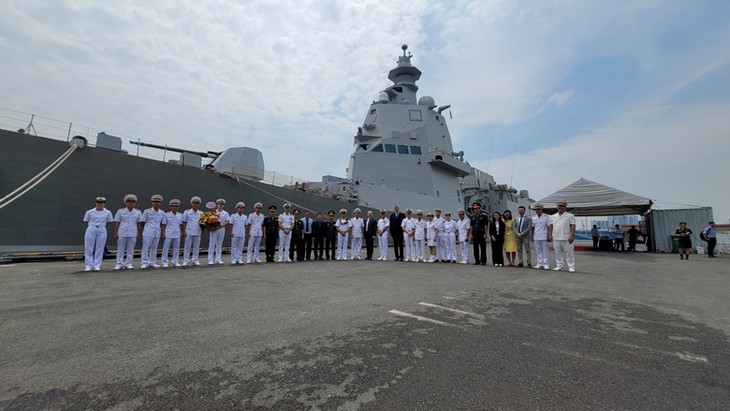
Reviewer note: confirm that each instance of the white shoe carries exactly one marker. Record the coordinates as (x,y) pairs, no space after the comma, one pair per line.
(164,265)
(248,261)
(571,270)
(219,262)
(155,266)
(546,267)
(557,268)
(537,267)
(196,263)
(129,267)
(117,267)
(97,268)
(143,266)
(185,264)
(258,261)
(175,265)
(87,269)
(288,260)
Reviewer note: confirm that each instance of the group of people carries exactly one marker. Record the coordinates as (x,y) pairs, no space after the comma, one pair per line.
(290,235)
(684,240)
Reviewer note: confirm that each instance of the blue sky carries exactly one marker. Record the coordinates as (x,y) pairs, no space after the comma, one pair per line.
(631,94)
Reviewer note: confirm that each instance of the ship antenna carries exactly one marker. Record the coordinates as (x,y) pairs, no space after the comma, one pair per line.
(514,160)
(489,157)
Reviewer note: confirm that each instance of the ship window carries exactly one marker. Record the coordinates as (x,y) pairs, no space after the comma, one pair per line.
(390,148)
(437,194)
(402,149)
(378,148)
(372,111)
(416,150)
(363,147)
(439,158)
(415,115)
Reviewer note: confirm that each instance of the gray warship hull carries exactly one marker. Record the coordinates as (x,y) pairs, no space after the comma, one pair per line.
(48,218)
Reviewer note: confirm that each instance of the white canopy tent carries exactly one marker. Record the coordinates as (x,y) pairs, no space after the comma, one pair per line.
(588,198)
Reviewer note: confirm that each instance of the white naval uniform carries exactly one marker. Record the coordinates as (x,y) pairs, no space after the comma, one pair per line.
(383,226)
(463,225)
(127,232)
(343,234)
(286,223)
(255,222)
(215,240)
(95,236)
(172,237)
(540,237)
(440,243)
(419,238)
(409,228)
(449,236)
(431,234)
(358,226)
(192,236)
(238,236)
(561,233)
(153,221)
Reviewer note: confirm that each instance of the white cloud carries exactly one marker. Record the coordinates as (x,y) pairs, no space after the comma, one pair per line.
(674,154)
(294,78)
(561,97)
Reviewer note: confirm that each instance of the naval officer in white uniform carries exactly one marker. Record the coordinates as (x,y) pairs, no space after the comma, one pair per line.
(173,221)
(191,231)
(286,223)
(153,219)
(96,220)
(215,242)
(254,232)
(126,229)
(383,226)
(238,222)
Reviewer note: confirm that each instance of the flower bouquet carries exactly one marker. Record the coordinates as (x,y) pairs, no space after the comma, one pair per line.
(209,220)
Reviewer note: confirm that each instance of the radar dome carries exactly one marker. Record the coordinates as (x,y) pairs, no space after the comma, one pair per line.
(427,101)
(383,97)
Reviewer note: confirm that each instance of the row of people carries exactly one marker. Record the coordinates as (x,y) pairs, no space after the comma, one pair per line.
(325,239)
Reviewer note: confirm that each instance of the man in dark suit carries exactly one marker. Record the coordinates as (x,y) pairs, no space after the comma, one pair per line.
(370,229)
(319,232)
(396,231)
(307,222)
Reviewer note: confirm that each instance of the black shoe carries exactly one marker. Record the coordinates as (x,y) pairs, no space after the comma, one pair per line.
(484,263)
(477,263)
(520,265)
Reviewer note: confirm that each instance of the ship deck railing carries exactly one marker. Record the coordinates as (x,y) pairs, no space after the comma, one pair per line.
(55,129)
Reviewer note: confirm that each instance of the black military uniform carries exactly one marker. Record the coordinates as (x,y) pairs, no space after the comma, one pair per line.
(479,229)
(271,234)
(330,242)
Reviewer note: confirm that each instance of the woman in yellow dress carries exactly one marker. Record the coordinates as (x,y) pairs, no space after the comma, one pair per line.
(510,241)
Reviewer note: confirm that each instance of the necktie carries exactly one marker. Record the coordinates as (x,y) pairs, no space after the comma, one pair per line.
(520,225)
(306,225)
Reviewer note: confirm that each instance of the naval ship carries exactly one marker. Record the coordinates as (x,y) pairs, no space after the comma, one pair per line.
(402,154)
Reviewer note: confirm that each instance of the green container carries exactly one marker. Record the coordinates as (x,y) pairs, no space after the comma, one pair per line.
(675,244)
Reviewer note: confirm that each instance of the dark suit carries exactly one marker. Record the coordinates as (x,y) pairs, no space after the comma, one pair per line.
(308,226)
(497,237)
(396,231)
(371,226)
(319,232)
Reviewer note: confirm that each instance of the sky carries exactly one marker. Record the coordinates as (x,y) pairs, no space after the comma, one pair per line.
(632,94)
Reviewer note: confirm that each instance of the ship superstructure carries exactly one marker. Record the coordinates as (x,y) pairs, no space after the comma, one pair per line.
(403,153)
